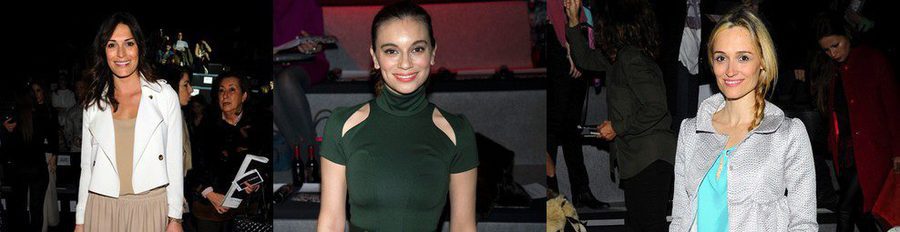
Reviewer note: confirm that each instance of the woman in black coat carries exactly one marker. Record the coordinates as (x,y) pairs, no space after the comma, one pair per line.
(25,145)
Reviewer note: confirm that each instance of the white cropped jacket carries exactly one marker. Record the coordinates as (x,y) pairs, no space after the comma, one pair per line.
(157,149)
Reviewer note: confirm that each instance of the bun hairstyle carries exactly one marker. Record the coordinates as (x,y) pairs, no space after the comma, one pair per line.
(742,17)
(397,11)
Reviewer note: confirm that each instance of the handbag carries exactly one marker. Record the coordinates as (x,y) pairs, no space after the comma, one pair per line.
(254,218)
(562,216)
(887,206)
(248,223)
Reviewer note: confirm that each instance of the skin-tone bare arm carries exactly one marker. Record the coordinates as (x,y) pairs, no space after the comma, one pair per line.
(462,201)
(332,214)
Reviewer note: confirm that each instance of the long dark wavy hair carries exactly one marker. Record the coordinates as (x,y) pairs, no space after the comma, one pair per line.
(101,90)
(397,11)
(824,68)
(26,102)
(627,23)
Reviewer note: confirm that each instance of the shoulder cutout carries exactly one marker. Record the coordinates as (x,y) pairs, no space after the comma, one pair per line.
(358,117)
(441,123)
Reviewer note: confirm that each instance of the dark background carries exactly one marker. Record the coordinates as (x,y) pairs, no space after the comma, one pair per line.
(41,38)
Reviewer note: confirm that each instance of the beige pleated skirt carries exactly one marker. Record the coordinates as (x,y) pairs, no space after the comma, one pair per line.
(135,212)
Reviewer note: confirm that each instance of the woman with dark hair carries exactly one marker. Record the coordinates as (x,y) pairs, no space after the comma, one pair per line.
(225,138)
(856,90)
(30,149)
(643,145)
(179,78)
(131,165)
(398,156)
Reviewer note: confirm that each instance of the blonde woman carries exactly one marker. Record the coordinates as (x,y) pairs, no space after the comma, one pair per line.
(741,165)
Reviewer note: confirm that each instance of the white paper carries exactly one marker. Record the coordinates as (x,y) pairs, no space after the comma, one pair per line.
(231,201)
(253,172)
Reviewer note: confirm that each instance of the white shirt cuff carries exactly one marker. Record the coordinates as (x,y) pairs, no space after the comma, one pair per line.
(206,191)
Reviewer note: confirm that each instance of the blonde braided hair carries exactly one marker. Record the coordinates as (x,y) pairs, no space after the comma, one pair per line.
(742,17)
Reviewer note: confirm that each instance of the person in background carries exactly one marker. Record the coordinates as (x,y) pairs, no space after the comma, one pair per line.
(683,32)
(73,133)
(63,98)
(226,138)
(566,91)
(292,18)
(30,145)
(167,54)
(292,118)
(183,51)
(198,109)
(64,101)
(643,144)
(179,78)
(202,51)
(856,89)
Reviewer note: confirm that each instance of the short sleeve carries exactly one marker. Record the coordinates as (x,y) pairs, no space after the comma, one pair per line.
(466,156)
(331,148)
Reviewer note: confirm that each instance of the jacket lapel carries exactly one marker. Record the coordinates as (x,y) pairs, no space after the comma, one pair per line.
(704,155)
(706,135)
(104,133)
(148,119)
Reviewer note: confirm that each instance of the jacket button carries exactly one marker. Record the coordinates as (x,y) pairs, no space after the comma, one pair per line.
(160,157)
(151,96)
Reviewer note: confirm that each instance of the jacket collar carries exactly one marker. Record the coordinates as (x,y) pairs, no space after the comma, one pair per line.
(155,86)
(149,117)
(772,115)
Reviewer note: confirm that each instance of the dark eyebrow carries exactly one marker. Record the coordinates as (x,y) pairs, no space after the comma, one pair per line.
(389,45)
(394,45)
(126,40)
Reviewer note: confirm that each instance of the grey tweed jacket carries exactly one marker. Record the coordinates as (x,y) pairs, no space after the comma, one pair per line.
(771,177)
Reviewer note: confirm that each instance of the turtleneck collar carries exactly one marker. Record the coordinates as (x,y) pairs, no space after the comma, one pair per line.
(402,105)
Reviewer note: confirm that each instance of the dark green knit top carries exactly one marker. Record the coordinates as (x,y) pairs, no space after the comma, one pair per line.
(398,161)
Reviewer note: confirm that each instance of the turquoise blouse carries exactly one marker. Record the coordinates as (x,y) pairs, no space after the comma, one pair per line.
(712,202)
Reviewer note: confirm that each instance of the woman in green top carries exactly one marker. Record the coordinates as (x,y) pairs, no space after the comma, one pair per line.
(398,156)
